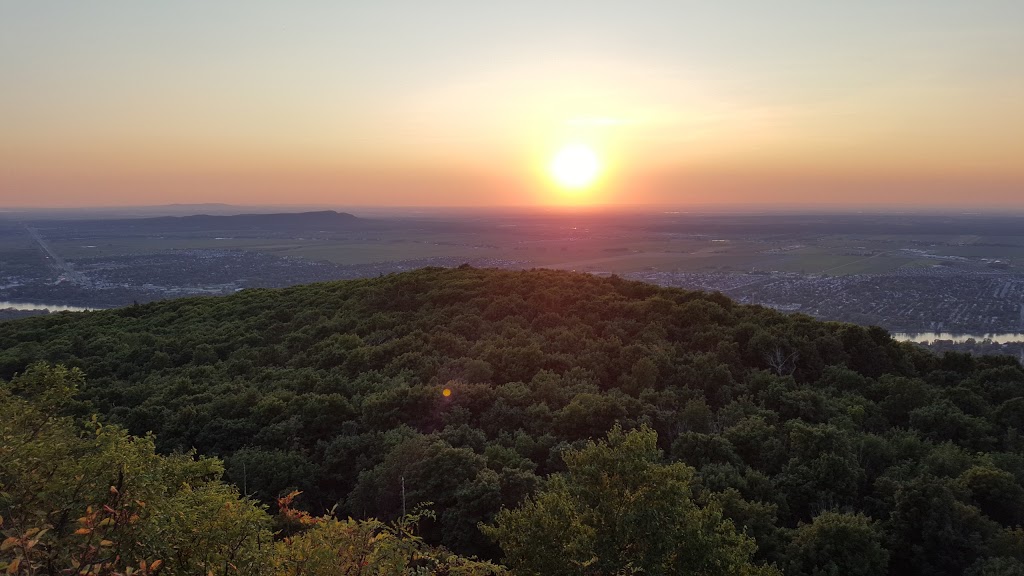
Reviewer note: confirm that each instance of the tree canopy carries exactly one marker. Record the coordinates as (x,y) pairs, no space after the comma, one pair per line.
(811,438)
(618,509)
(87,498)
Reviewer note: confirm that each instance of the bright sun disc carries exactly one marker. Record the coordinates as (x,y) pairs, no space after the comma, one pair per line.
(575,166)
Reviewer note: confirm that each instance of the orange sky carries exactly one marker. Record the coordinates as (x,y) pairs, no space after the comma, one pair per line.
(392,104)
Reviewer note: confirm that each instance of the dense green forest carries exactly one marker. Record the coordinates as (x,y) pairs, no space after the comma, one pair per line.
(833,448)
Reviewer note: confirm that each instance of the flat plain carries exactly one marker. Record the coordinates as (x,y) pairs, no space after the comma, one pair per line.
(906,272)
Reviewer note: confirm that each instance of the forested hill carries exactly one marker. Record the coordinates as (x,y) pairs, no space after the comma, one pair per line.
(321,220)
(838,449)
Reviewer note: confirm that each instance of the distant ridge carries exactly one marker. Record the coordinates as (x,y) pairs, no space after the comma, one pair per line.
(322,216)
(324,219)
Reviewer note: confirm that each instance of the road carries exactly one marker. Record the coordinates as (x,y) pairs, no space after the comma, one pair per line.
(59,265)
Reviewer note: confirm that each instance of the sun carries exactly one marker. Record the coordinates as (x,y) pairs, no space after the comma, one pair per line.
(575,167)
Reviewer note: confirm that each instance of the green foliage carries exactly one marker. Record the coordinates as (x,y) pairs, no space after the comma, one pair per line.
(618,509)
(996,567)
(932,531)
(93,500)
(350,547)
(837,544)
(455,479)
(97,500)
(996,492)
(335,389)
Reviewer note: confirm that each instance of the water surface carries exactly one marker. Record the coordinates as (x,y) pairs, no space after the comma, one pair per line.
(4,305)
(923,337)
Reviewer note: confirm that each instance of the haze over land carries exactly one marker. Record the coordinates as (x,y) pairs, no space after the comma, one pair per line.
(910,273)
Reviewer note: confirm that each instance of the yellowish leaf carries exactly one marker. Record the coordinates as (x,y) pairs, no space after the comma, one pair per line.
(13,567)
(156,565)
(83,531)
(106,543)
(8,544)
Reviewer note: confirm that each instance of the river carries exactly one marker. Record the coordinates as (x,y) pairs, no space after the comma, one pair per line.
(998,338)
(36,306)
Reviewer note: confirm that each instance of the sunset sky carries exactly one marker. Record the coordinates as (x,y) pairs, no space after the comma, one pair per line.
(463,102)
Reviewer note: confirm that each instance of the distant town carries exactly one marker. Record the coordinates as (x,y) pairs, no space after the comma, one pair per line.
(925,281)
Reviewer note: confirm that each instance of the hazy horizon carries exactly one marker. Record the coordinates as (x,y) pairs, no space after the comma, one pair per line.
(803,105)
(385,211)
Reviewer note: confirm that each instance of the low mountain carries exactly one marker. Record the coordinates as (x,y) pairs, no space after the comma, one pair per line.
(324,220)
(320,220)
